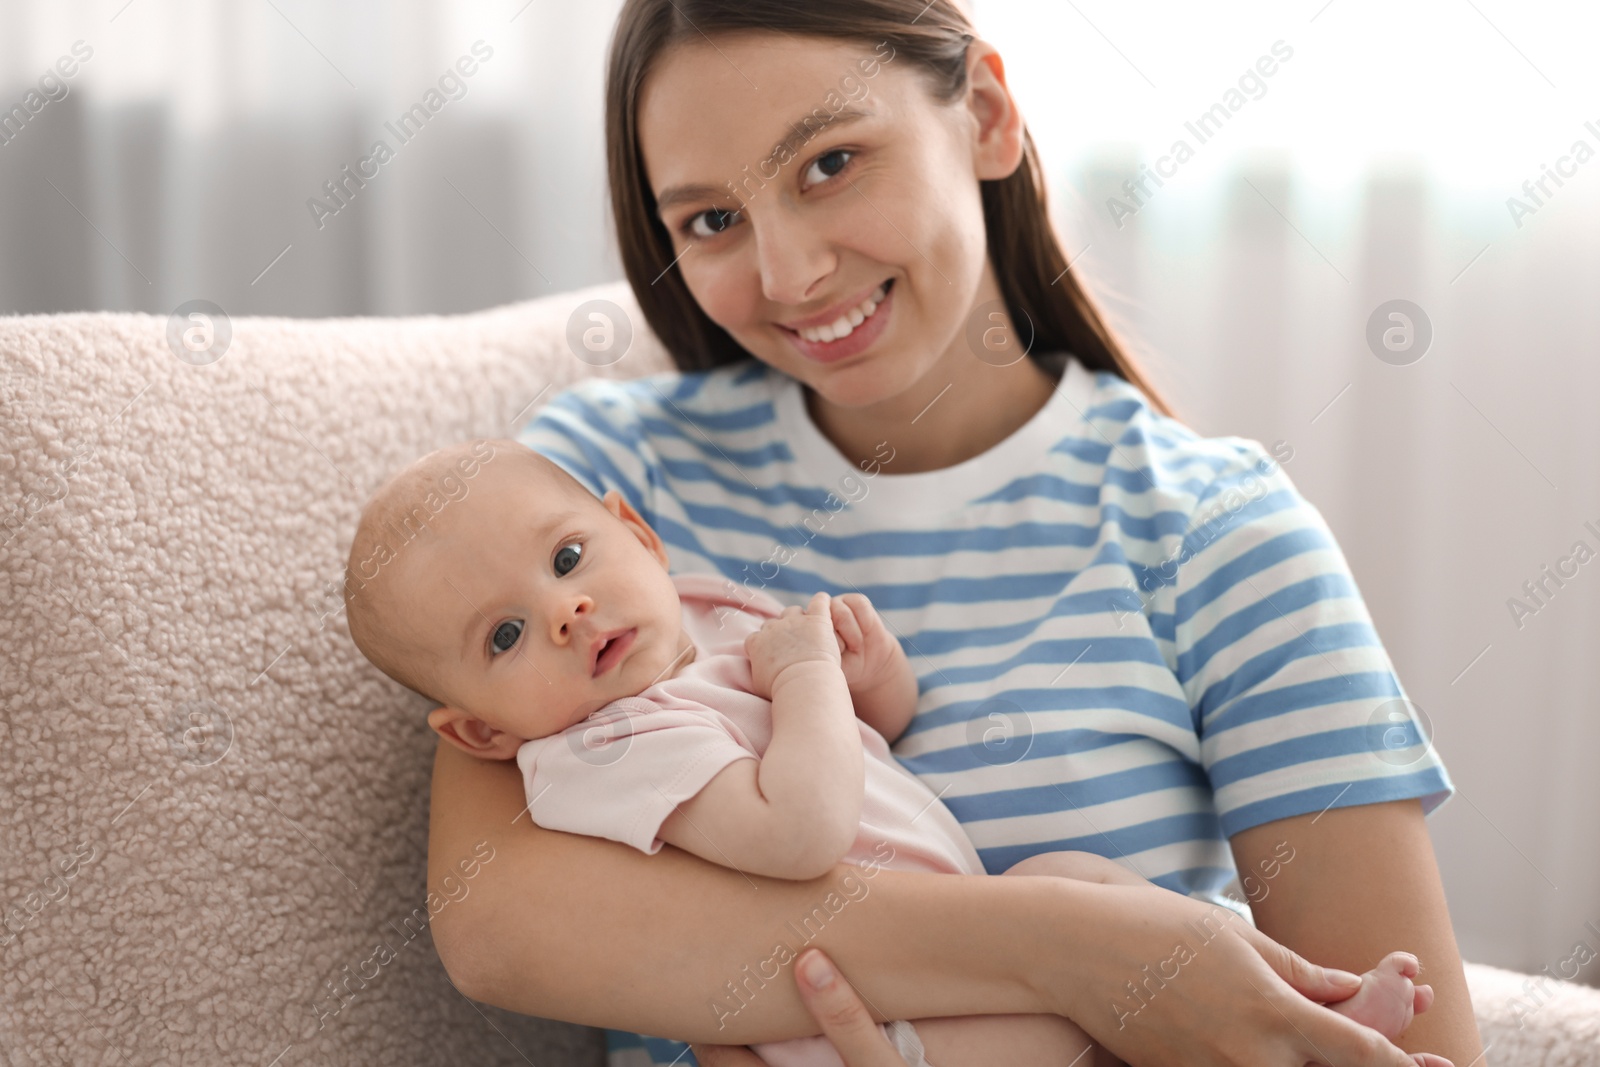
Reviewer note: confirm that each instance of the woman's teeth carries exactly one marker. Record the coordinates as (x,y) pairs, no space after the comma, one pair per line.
(845,324)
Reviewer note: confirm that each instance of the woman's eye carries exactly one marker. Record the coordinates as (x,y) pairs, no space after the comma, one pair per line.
(827,165)
(710,223)
(505,636)
(573,553)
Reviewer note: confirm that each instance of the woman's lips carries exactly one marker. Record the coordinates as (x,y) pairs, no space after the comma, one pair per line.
(612,653)
(859,340)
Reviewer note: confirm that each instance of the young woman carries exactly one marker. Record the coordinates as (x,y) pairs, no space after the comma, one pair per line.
(1130,640)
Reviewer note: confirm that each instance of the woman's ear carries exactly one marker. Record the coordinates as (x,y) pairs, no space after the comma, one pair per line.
(998,147)
(619,507)
(473,736)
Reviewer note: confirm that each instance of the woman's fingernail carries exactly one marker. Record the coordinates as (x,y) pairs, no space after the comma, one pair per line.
(1344,978)
(817,973)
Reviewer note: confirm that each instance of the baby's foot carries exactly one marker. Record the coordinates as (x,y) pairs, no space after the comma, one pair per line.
(1388,999)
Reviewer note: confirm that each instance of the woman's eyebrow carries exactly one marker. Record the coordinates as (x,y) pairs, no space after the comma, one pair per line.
(801,131)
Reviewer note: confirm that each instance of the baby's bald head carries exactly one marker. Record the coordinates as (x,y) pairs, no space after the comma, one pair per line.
(416,506)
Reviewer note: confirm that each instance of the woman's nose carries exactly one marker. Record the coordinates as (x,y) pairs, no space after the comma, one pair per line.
(793,257)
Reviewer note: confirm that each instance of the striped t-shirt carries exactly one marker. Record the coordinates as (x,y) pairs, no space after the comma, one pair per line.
(1128,639)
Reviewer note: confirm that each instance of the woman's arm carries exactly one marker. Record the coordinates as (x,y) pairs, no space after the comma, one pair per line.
(1363,883)
(592,931)
(588,930)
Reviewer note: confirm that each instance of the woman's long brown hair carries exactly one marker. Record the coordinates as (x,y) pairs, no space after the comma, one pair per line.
(1027,258)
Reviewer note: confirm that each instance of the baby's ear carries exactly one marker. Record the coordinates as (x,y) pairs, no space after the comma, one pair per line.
(472,735)
(619,506)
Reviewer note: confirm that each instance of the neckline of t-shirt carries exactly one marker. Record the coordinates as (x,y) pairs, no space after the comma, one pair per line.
(946,489)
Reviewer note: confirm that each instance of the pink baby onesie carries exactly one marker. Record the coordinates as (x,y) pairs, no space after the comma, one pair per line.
(620,772)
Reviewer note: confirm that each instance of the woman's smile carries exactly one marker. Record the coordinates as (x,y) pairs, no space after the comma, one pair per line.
(839,334)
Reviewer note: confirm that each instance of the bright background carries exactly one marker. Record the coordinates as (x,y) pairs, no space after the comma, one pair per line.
(1376,167)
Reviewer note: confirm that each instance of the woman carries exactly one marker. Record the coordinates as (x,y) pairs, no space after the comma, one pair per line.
(1129,640)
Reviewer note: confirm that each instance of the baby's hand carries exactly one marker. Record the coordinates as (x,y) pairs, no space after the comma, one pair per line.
(794,637)
(869,651)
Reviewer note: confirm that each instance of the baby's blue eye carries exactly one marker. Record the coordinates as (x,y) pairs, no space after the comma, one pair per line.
(575,549)
(506,632)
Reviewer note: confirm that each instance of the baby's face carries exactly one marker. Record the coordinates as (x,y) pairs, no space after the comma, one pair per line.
(519,594)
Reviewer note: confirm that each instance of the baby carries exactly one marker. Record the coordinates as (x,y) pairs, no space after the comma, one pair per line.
(647,707)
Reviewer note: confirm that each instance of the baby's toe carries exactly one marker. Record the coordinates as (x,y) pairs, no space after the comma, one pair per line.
(1401,963)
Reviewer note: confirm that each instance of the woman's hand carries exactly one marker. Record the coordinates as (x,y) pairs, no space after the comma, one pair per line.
(836,1008)
(1192,964)
(1161,979)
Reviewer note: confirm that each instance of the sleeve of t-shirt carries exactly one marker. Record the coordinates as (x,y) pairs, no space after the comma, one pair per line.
(620,776)
(595,431)
(1296,703)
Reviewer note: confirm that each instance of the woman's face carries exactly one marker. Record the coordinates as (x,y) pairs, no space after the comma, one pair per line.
(812,183)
